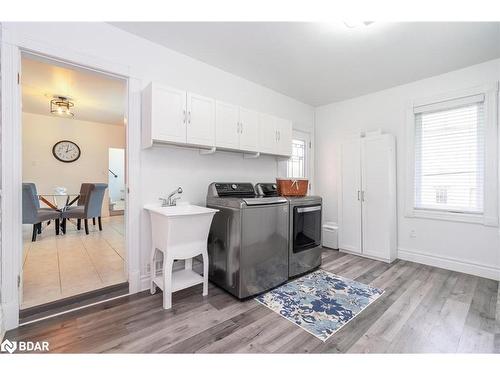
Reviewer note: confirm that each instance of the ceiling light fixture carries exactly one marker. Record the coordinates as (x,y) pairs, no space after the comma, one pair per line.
(61,105)
(352,24)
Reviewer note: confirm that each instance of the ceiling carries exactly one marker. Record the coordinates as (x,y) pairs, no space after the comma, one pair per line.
(97,97)
(320,63)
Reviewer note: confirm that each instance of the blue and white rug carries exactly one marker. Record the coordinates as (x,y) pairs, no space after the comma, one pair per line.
(320,302)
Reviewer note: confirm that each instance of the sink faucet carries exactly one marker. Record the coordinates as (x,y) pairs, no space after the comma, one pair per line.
(170,200)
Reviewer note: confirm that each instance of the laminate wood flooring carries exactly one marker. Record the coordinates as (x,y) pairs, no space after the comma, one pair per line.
(423,310)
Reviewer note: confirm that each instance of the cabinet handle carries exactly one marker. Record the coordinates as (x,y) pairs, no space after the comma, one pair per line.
(359,195)
(362,196)
(184,115)
(241,127)
(189,117)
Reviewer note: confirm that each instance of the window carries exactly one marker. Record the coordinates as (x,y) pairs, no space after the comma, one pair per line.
(452,154)
(296,164)
(449,158)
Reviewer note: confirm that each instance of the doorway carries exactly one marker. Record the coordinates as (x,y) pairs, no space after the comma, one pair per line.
(72,243)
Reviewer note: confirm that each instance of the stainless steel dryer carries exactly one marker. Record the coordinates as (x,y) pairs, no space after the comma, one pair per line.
(304,245)
(248,240)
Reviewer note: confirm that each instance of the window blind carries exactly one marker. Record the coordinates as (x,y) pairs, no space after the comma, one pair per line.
(449,157)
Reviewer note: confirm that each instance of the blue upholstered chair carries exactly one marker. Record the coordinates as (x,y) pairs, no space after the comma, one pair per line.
(33,214)
(91,208)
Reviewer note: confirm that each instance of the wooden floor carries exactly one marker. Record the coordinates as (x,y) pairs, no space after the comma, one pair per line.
(424,309)
(57,267)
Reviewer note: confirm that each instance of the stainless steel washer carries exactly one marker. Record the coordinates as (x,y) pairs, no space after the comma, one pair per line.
(248,240)
(304,245)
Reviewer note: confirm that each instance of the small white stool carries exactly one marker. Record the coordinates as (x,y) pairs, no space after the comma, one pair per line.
(179,237)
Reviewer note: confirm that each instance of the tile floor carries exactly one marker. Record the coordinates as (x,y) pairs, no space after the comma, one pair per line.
(56,267)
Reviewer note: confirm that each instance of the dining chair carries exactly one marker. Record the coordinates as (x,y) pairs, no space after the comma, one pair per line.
(80,204)
(91,208)
(33,214)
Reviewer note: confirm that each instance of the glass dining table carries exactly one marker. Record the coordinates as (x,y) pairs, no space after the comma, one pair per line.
(59,202)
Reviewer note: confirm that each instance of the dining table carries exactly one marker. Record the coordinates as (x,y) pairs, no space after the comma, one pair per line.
(52,200)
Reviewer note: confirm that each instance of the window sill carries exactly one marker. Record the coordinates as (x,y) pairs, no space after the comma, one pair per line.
(451,216)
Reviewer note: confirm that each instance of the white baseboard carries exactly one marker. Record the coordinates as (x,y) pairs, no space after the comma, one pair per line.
(10,315)
(366,256)
(449,263)
(134,282)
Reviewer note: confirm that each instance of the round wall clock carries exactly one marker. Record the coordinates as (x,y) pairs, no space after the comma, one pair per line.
(66,151)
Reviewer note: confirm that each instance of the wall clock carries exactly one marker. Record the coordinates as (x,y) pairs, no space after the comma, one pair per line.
(66,151)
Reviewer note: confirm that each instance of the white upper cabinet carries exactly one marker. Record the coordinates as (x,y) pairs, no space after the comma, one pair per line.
(164,111)
(268,137)
(175,116)
(249,130)
(227,125)
(236,128)
(284,129)
(200,120)
(180,117)
(275,135)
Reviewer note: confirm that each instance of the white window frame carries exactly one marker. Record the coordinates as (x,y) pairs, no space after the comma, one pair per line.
(489,217)
(282,164)
(301,136)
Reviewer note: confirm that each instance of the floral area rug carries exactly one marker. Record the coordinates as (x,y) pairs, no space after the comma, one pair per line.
(320,302)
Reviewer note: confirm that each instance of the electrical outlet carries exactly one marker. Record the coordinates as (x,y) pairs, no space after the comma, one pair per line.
(413,233)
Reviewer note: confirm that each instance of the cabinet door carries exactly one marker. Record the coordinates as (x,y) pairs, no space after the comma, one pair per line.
(350,197)
(249,130)
(200,120)
(168,109)
(227,128)
(284,128)
(268,135)
(378,198)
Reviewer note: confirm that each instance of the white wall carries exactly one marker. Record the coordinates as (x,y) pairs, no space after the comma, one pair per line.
(163,168)
(40,133)
(465,247)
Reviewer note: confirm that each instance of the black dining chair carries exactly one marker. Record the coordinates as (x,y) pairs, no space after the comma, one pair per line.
(91,208)
(33,214)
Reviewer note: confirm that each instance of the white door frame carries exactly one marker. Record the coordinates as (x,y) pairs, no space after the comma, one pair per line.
(12,45)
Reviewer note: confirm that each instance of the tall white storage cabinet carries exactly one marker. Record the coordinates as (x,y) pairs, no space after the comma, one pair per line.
(367,197)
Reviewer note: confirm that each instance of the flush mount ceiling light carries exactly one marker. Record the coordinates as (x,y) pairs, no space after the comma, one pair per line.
(352,24)
(61,106)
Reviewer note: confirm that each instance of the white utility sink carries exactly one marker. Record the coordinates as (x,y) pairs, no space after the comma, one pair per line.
(180,210)
(179,232)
